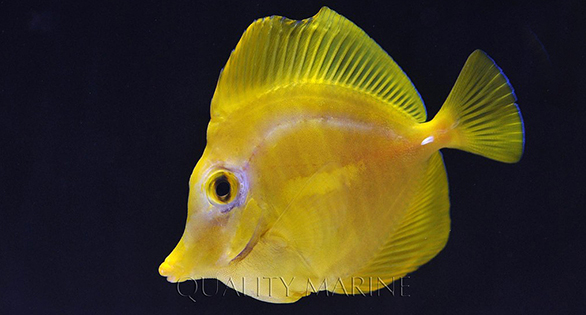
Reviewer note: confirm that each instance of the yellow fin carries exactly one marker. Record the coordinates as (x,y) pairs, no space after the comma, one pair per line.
(482,113)
(327,49)
(422,234)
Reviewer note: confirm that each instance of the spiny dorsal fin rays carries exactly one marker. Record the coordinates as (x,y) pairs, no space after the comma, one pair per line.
(277,52)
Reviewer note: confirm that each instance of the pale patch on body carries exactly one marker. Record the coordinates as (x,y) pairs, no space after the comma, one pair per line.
(329,181)
(328,121)
(280,128)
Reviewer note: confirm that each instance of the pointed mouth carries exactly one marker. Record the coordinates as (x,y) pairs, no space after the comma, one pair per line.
(172,273)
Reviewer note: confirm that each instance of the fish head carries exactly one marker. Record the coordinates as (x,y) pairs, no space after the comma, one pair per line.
(223,224)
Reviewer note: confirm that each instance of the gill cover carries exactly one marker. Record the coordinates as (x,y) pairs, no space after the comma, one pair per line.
(233,205)
(222,224)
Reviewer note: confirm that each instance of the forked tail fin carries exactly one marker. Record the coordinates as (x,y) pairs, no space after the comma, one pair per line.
(480,113)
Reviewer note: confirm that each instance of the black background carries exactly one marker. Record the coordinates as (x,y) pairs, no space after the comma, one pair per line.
(104,107)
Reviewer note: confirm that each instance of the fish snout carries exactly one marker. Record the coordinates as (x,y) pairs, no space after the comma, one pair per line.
(172,272)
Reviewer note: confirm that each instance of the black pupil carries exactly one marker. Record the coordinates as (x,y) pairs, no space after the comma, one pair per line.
(222,188)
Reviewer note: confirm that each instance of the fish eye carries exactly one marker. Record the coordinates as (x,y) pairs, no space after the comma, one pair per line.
(222,187)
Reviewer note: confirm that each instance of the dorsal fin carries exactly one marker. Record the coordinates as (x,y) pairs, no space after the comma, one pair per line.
(276,52)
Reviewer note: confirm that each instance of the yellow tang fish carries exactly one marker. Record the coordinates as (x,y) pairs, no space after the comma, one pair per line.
(321,172)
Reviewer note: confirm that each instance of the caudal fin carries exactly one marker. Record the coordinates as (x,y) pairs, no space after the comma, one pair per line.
(481,113)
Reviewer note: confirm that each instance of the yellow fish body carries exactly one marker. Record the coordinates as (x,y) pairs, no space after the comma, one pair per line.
(321,172)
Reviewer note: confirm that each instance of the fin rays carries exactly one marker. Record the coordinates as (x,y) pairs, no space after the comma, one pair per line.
(482,108)
(326,49)
(423,233)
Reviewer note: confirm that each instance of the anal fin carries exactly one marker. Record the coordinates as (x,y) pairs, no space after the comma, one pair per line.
(420,237)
